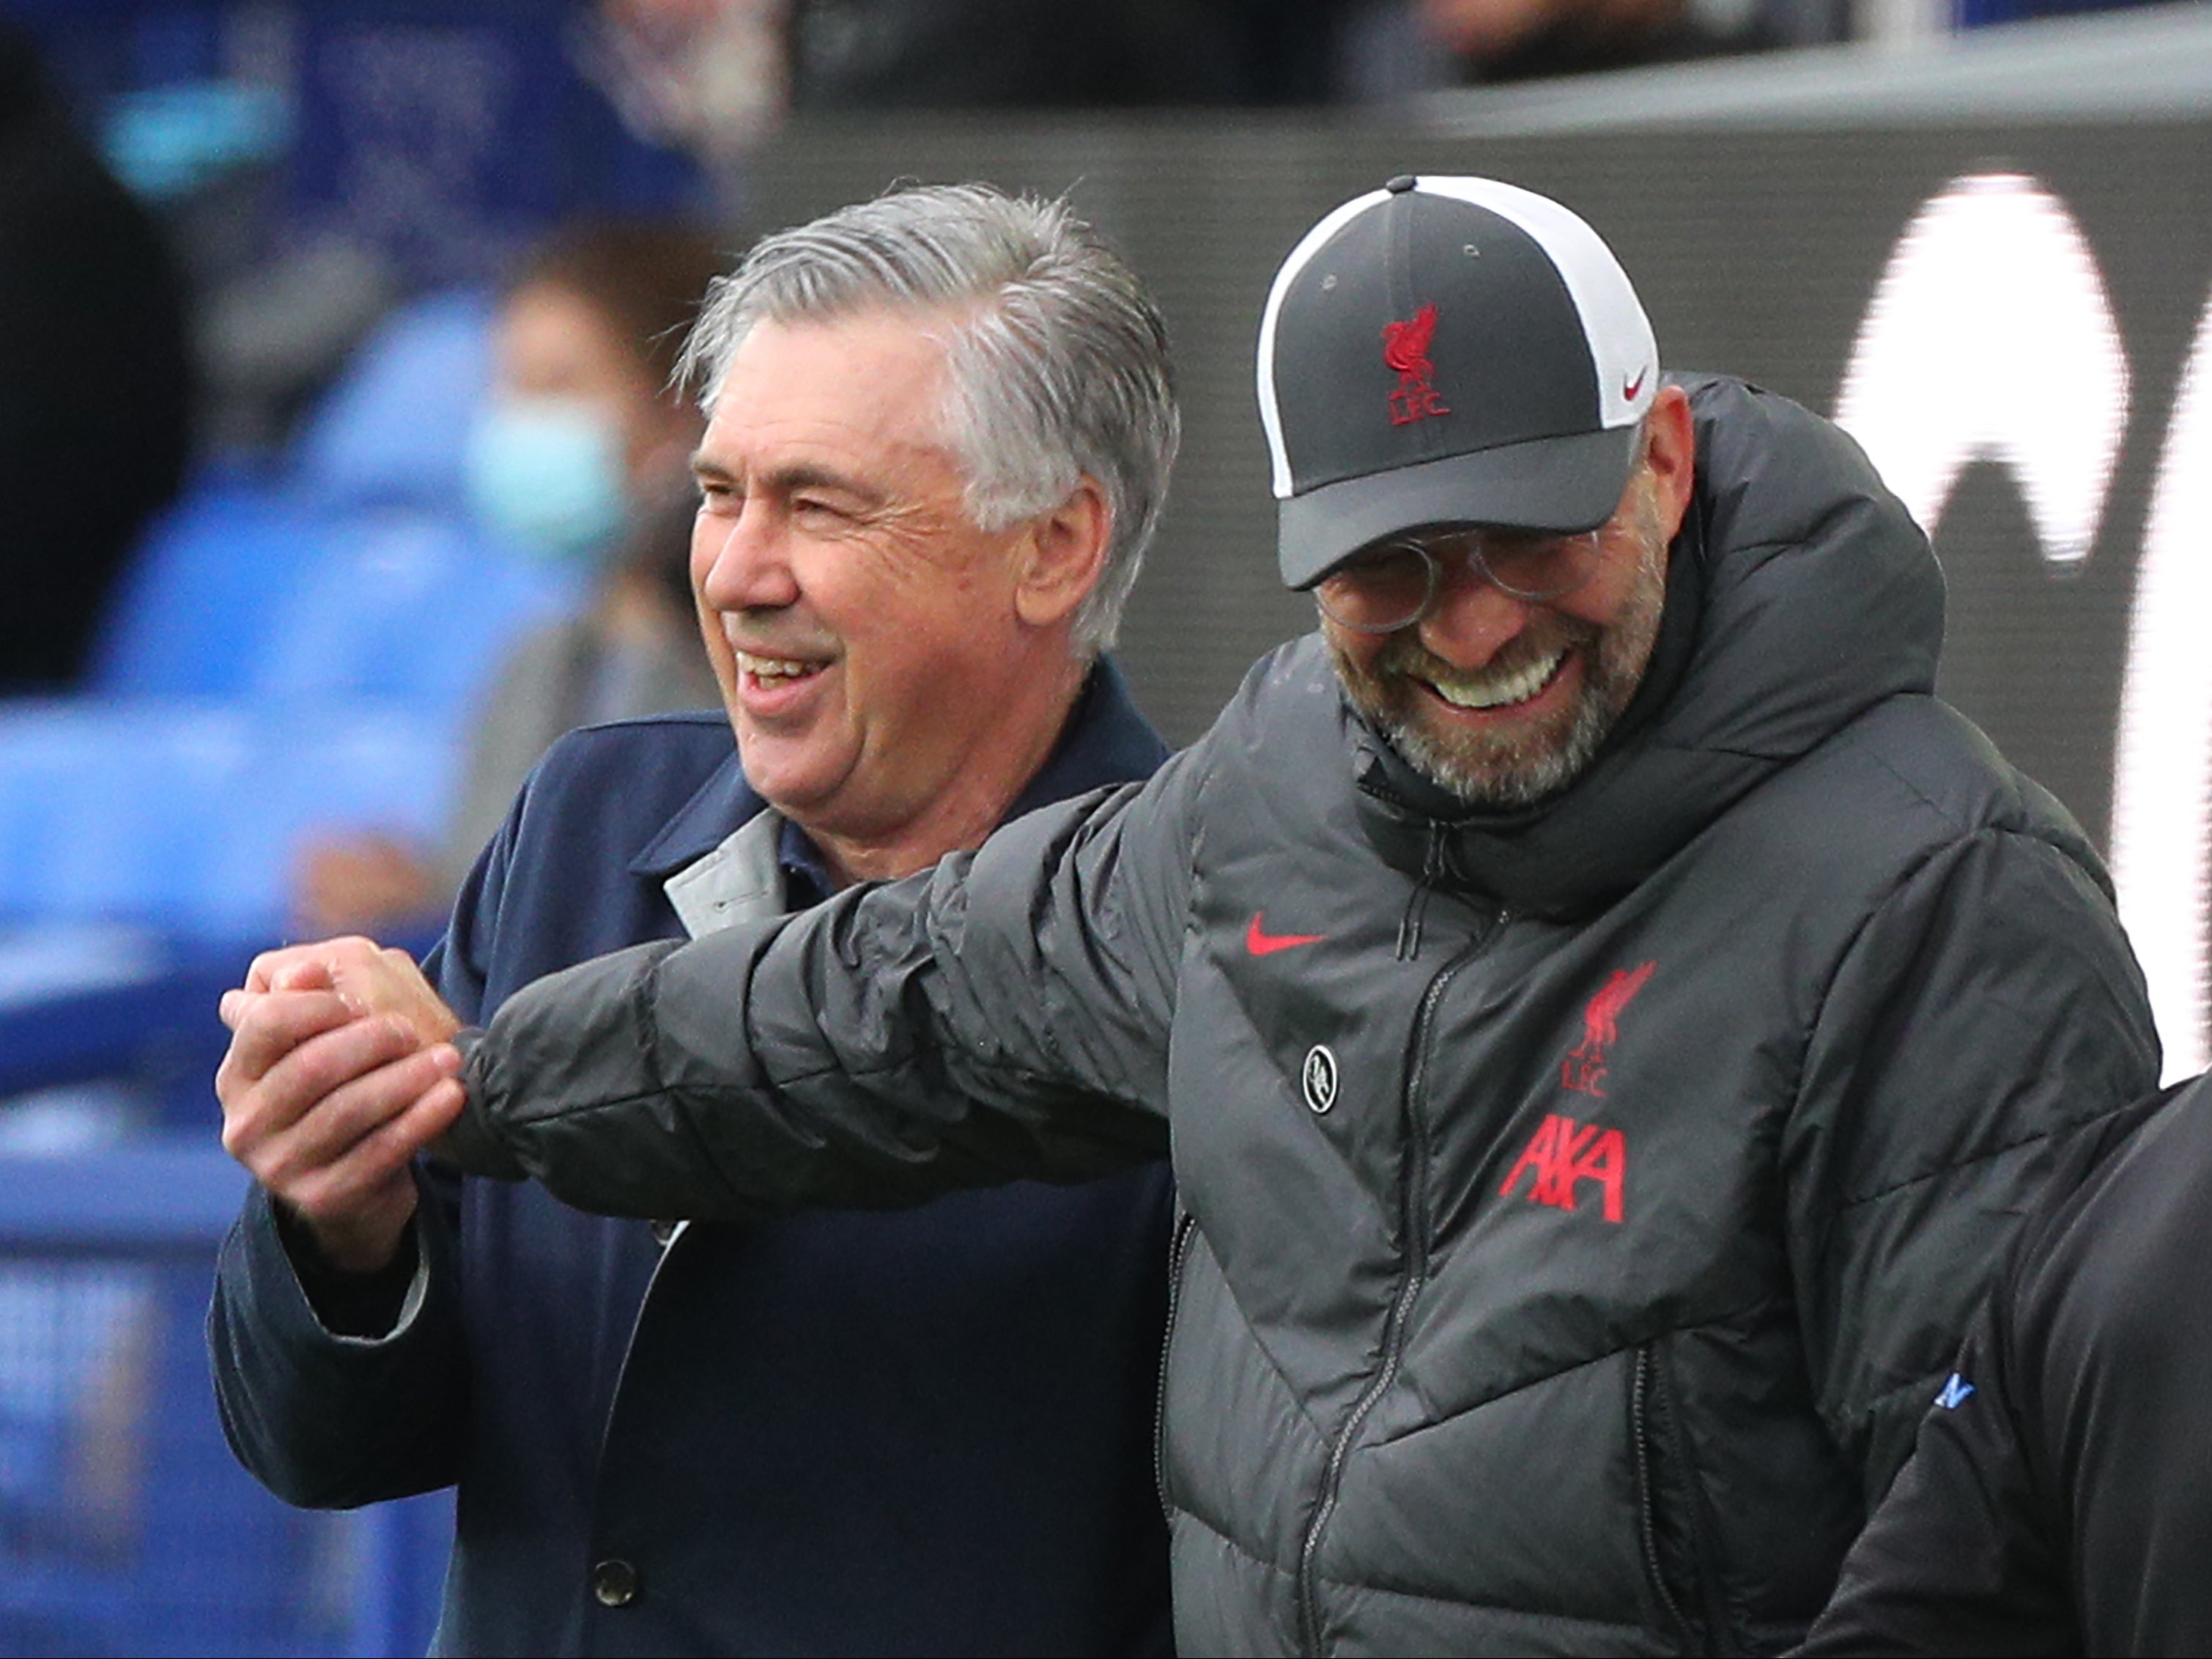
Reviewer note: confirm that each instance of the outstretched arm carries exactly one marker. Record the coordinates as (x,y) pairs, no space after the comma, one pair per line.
(1005,1015)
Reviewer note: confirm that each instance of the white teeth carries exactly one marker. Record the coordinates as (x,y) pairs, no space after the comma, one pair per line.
(1497,691)
(774,668)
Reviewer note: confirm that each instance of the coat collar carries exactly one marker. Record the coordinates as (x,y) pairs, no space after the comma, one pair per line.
(1106,740)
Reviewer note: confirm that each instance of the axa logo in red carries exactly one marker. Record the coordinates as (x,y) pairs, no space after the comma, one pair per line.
(1584,1068)
(1564,1154)
(1405,349)
(1262,943)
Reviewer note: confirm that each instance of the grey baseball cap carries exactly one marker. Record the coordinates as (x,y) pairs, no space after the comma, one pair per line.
(1448,350)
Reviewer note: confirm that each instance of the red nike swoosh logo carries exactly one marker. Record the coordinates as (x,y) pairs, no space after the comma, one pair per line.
(1632,388)
(1261,943)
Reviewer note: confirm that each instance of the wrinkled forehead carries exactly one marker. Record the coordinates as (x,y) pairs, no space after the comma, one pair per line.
(875,356)
(868,389)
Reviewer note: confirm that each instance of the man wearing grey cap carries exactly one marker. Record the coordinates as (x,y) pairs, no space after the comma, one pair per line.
(1604,1010)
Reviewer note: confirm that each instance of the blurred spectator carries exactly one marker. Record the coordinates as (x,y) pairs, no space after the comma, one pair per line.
(1386,49)
(716,77)
(95,378)
(710,76)
(1493,41)
(917,54)
(275,314)
(580,456)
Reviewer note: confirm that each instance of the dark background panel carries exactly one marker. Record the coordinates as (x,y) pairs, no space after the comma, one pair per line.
(1756,253)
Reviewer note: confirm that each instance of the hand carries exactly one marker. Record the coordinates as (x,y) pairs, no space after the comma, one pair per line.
(338,1074)
(369,978)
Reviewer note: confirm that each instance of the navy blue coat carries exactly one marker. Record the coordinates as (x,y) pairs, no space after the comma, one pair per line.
(923,1430)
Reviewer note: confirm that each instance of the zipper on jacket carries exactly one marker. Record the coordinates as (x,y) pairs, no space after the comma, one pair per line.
(1654,1422)
(1641,1409)
(1185,1224)
(1413,1219)
(1432,868)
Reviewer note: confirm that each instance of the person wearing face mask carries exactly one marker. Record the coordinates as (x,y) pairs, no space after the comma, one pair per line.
(578,457)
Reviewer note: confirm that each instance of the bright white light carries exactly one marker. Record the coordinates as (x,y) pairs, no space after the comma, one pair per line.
(1990,337)
(2162,760)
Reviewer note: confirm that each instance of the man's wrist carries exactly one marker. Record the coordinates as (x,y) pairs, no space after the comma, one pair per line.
(348,1302)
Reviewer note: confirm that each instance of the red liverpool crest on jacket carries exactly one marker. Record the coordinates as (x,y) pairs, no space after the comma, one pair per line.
(1583,1069)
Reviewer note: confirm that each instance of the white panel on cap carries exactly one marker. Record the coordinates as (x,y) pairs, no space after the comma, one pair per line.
(1271,419)
(1620,334)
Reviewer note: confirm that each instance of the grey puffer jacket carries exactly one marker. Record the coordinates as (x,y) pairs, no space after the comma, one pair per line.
(1581,1208)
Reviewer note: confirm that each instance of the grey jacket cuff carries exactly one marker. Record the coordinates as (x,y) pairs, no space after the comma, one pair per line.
(473,1143)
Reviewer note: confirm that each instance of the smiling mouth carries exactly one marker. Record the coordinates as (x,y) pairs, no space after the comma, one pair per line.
(1488,691)
(776,671)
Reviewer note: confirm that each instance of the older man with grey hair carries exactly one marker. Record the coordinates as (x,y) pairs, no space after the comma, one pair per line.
(940,429)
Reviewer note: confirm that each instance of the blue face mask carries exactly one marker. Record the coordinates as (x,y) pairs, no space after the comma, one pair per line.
(545,474)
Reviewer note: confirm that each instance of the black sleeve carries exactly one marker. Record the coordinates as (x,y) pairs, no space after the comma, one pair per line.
(1972,1551)
(1963,1557)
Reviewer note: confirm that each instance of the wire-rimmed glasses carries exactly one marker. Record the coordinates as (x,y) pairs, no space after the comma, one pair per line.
(1392,585)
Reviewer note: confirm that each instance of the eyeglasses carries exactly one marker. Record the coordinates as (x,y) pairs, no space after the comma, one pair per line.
(1394,586)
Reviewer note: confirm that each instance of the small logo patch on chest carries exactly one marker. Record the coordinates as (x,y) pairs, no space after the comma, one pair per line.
(1583,1069)
(1262,943)
(1317,1076)
(1564,1153)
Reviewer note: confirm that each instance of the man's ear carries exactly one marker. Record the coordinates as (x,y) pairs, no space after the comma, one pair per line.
(1063,555)
(1670,437)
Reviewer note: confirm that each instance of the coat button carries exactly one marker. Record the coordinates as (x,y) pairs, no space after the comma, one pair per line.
(614,1583)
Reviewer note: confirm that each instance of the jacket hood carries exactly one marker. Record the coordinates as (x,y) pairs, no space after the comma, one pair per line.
(1799,594)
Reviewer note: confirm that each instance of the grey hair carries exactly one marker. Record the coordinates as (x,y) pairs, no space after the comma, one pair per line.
(1057,359)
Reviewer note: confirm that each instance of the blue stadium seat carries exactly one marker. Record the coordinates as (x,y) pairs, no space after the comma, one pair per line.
(186,816)
(373,487)
(399,605)
(292,652)
(125,1525)
(195,604)
(395,426)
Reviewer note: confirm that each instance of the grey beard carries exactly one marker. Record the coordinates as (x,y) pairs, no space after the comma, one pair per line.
(1527,779)
(1524,773)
